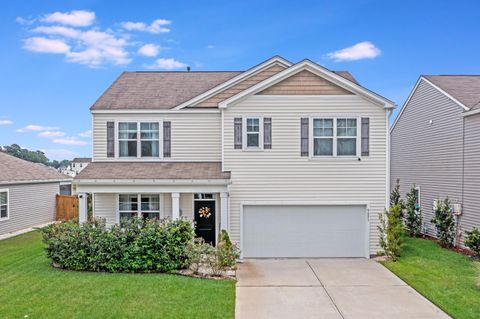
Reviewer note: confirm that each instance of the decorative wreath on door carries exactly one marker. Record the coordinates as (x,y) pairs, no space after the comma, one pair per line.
(204,212)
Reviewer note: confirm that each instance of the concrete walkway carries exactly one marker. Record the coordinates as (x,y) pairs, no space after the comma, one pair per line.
(326,288)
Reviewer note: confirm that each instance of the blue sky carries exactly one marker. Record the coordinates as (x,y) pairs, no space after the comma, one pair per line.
(58,57)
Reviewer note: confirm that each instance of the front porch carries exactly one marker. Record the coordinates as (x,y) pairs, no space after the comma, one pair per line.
(195,191)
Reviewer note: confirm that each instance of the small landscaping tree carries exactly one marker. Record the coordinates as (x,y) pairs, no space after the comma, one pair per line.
(413,213)
(472,241)
(391,231)
(444,222)
(395,195)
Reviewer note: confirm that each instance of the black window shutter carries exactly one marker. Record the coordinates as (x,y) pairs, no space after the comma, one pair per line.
(365,136)
(267,133)
(167,139)
(110,139)
(237,131)
(304,136)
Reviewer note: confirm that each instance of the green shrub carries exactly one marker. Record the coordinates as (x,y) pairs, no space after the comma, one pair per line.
(197,254)
(395,195)
(134,246)
(472,241)
(391,232)
(227,252)
(413,214)
(444,222)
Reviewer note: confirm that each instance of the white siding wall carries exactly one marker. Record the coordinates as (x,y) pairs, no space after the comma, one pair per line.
(105,206)
(281,175)
(428,155)
(195,137)
(471,212)
(29,205)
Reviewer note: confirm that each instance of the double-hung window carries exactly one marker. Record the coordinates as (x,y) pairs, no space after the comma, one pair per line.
(252,132)
(139,205)
(3,204)
(139,139)
(335,137)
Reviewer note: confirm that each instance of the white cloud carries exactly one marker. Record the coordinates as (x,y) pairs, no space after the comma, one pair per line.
(59,154)
(87,133)
(210,46)
(44,45)
(76,18)
(157,26)
(93,48)
(70,140)
(149,49)
(167,64)
(5,122)
(58,30)
(50,134)
(37,128)
(359,51)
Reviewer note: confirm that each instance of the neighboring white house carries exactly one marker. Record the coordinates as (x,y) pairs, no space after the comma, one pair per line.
(291,159)
(27,193)
(79,163)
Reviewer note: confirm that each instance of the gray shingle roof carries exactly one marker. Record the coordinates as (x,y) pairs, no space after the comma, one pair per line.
(82,159)
(14,170)
(153,170)
(164,90)
(464,88)
(158,90)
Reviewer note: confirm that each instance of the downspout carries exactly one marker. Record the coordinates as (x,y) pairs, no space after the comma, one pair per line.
(458,227)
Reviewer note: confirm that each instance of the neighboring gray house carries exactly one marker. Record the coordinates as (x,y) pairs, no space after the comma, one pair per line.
(27,193)
(290,158)
(435,144)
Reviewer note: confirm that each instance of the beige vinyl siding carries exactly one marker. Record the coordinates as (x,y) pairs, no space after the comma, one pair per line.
(186,205)
(428,155)
(304,83)
(471,195)
(29,205)
(194,136)
(243,85)
(282,176)
(105,206)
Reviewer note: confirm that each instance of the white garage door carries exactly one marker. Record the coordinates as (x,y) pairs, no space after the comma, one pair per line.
(304,231)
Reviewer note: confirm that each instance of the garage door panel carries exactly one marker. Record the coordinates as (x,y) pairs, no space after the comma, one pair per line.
(304,231)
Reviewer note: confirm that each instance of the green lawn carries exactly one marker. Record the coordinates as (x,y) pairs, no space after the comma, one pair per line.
(448,279)
(30,287)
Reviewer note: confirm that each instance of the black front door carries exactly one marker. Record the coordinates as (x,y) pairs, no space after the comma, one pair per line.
(205,220)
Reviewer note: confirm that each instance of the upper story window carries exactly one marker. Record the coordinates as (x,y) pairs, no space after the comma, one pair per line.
(252,132)
(3,204)
(335,137)
(139,139)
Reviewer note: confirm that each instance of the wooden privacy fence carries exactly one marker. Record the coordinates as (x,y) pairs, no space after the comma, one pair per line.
(67,207)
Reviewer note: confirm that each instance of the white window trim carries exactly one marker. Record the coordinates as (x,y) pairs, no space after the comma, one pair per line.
(260,133)
(417,188)
(139,141)
(139,211)
(334,156)
(6,190)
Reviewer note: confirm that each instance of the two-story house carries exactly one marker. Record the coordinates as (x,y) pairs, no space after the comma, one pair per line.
(79,163)
(290,159)
(436,147)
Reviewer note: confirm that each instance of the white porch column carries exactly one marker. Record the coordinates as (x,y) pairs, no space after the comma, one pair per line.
(224,211)
(175,206)
(82,207)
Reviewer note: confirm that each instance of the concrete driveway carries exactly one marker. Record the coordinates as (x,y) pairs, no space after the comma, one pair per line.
(326,288)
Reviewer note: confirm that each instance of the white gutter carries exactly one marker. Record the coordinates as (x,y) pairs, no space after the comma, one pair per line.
(166,182)
(35,181)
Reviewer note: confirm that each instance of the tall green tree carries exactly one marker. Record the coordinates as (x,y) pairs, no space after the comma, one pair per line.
(413,213)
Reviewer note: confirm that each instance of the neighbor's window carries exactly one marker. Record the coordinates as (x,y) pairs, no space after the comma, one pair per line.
(127,138)
(3,204)
(417,197)
(334,137)
(139,139)
(253,132)
(129,206)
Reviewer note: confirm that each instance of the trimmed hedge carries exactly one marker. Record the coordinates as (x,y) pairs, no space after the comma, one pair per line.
(136,246)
